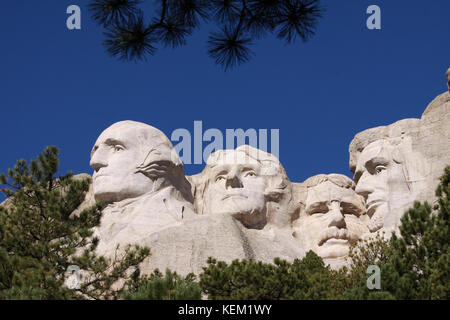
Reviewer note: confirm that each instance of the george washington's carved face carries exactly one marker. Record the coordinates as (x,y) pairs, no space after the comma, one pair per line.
(115,158)
(128,158)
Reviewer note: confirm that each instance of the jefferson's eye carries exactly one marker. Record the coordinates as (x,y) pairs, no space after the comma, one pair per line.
(219,178)
(250,174)
(379,169)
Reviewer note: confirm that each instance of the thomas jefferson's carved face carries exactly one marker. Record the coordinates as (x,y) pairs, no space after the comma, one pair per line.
(381,180)
(236,187)
(115,157)
(331,221)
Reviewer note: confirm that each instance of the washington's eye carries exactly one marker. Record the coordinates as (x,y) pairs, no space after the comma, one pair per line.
(250,174)
(118,148)
(379,169)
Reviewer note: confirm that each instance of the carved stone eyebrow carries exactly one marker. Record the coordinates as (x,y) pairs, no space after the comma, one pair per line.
(376,161)
(370,165)
(350,207)
(113,142)
(220,173)
(317,206)
(249,167)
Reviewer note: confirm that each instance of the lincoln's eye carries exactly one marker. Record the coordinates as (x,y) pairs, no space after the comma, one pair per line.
(220,178)
(379,169)
(250,174)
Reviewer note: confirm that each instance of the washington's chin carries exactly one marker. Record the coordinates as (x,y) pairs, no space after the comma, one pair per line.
(110,196)
(106,197)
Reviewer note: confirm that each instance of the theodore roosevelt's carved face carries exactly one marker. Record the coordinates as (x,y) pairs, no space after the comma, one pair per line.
(331,221)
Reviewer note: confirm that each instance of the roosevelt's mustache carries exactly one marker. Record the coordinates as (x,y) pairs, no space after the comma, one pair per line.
(234,194)
(336,233)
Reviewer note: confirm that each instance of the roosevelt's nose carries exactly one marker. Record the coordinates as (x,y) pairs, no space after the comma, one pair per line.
(364,187)
(233,180)
(97,160)
(337,218)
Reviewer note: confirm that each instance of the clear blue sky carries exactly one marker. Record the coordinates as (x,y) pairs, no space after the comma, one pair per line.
(59,87)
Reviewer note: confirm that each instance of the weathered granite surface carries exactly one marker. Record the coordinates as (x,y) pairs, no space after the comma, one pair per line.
(243,204)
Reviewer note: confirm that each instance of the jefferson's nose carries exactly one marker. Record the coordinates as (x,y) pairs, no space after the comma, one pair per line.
(364,186)
(233,181)
(337,219)
(97,160)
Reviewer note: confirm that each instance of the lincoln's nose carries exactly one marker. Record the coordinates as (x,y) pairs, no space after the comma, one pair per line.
(364,187)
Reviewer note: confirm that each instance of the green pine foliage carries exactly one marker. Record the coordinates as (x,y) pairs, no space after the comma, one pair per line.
(247,279)
(133,36)
(158,287)
(40,238)
(362,254)
(417,264)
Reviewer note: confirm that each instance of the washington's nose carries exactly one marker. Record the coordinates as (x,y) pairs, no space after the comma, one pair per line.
(233,181)
(97,161)
(337,219)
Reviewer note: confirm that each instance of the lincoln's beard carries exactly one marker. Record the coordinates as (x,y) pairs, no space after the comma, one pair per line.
(388,214)
(377,220)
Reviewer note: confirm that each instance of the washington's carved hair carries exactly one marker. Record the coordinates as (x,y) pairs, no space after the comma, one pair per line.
(160,161)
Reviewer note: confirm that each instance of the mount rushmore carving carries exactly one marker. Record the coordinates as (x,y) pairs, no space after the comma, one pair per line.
(243,205)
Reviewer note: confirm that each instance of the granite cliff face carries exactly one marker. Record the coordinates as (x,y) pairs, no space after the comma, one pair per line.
(243,204)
